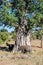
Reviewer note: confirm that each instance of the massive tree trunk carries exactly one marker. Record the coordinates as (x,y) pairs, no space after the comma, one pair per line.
(23,37)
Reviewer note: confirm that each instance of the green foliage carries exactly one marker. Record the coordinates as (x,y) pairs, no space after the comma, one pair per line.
(40,0)
(23,7)
(36,34)
(1,41)
(14,35)
(9,19)
(3,30)
(1,2)
(4,36)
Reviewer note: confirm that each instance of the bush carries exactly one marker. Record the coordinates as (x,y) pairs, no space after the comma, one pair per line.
(14,35)
(4,36)
(1,41)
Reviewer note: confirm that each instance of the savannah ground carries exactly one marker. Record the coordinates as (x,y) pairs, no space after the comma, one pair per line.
(18,58)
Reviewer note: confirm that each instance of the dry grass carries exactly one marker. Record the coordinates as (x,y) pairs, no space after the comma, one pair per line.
(18,58)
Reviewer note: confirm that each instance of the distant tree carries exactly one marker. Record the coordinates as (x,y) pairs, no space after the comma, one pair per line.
(3,30)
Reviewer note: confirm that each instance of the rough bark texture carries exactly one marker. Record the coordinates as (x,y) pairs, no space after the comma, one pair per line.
(23,37)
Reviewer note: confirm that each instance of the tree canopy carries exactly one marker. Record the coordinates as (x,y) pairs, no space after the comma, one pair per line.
(11,12)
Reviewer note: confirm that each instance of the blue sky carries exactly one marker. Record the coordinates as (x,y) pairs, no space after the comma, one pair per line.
(7,28)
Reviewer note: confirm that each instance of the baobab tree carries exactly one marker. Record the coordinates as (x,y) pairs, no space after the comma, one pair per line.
(23,15)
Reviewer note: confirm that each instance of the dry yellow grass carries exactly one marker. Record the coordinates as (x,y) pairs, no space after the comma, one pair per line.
(18,58)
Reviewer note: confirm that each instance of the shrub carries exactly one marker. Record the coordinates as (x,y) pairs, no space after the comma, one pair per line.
(4,35)
(1,41)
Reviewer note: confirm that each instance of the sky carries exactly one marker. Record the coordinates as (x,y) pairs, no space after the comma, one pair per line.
(7,28)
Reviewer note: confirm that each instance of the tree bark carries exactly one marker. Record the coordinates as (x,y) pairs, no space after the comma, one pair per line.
(23,37)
